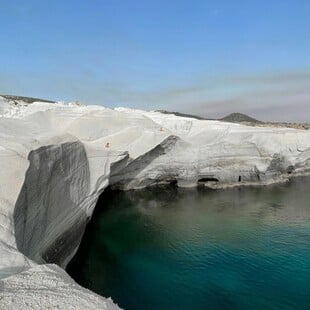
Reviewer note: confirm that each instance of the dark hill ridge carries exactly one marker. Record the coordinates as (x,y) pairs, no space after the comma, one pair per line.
(232,118)
(25,99)
(239,118)
(182,114)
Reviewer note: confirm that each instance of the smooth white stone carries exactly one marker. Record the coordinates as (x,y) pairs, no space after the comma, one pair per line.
(57,158)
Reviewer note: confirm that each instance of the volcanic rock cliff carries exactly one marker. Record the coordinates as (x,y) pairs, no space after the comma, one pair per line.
(58,158)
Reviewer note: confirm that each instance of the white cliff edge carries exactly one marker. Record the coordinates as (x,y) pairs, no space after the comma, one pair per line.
(58,158)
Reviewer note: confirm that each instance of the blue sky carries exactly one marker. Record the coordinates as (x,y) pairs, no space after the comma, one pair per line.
(205,57)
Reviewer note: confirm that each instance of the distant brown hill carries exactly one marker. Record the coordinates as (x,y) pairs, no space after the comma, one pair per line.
(232,118)
(240,118)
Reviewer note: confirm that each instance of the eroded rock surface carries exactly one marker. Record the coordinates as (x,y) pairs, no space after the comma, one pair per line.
(57,158)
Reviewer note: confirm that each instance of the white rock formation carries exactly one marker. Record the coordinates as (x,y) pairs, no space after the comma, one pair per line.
(57,158)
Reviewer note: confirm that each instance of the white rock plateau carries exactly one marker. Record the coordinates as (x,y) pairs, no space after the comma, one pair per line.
(57,158)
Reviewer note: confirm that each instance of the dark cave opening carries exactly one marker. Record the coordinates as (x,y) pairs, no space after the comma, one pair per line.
(208,179)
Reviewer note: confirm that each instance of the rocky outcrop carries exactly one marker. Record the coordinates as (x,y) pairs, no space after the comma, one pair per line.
(48,287)
(57,159)
(50,212)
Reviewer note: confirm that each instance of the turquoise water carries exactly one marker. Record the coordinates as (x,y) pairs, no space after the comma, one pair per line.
(245,248)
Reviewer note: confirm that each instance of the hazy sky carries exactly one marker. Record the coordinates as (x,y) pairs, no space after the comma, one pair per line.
(204,57)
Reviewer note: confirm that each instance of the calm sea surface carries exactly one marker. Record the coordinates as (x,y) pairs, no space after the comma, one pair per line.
(245,248)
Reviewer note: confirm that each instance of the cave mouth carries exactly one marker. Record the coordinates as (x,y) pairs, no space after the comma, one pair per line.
(208,179)
(172,248)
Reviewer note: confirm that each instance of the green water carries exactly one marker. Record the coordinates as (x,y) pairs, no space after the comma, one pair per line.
(245,248)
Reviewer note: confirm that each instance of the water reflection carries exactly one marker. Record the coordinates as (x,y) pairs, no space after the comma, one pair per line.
(202,249)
